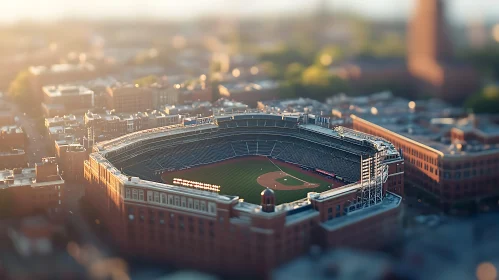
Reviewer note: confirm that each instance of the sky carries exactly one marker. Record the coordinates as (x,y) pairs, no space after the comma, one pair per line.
(49,10)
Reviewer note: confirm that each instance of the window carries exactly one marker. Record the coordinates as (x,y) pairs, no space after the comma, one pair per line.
(170,199)
(184,203)
(127,195)
(338,207)
(203,206)
(134,194)
(330,210)
(150,196)
(177,201)
(212,207)
(156,197)
(190,203)
(141,195)
(163,198)
(196,204)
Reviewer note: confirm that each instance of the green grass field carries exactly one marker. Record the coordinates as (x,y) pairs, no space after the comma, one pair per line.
(239,178)
(289,181)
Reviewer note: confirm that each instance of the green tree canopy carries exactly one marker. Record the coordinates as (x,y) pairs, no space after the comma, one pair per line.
(316,76)
(146,81)
(20,89)
(294,72)
(487,101)
(486,60)
(329,55)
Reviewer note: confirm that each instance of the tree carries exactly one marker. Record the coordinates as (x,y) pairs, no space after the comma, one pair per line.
(284,56)
(390,45)
(486,101)
(316,76)
(294,72)
(146,81)
(20,90)
(329,55)
(485,59)
(272,69)
(319,84)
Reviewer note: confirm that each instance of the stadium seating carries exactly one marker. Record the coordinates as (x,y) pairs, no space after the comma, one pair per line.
(273,137)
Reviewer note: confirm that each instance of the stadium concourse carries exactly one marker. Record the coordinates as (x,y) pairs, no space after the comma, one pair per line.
(151,219)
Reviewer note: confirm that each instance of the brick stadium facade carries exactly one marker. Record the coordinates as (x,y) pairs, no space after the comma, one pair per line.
(454,176)
(221,233)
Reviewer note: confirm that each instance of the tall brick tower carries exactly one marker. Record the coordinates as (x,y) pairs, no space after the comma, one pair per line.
(428,32)
(430,56)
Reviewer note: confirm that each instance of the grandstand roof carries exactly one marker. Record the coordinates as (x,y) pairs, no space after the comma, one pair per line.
(338,132)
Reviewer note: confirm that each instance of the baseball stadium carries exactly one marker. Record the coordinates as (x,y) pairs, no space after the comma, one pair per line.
(215,186)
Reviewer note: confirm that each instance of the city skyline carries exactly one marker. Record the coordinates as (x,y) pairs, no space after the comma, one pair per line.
(460,11)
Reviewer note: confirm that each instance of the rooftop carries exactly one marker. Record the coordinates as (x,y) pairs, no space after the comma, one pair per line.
(63,119)
(435,136)
(241,87)
(11,152)
(17,177)
(9,129)
(61,68)
(390,201)
(66,90)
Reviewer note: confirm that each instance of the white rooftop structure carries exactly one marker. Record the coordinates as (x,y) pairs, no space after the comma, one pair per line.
(66,90)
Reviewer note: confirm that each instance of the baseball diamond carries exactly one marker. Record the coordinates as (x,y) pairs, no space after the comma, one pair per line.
(248,176)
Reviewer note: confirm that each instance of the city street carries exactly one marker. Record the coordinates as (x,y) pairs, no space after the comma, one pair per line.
(37,144)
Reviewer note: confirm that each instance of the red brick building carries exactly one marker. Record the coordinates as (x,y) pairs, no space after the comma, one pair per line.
(70,157)
(66,99)
(33,190)
(14,158)
(250,93)
(59,74)
(129,98)
(461,170)
(12,144)
(12,136)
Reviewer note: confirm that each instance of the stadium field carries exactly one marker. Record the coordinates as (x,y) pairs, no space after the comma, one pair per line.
(247,177)
(289,181)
